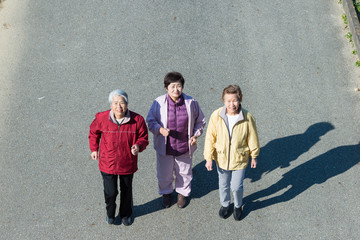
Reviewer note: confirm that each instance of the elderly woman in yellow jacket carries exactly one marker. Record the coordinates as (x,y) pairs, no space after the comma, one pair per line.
(231,138)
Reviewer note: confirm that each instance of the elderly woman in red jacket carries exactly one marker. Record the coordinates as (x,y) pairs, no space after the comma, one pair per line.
(123,135)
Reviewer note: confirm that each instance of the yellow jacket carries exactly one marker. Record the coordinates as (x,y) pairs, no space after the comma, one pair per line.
(244,140)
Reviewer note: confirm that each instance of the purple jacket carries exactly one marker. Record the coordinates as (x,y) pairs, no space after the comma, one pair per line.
(157,117)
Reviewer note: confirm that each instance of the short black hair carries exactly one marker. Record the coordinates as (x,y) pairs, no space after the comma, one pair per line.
(172,77)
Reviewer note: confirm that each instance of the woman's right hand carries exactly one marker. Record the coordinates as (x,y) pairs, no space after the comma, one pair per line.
(208,165)
(164,131)
(94,155)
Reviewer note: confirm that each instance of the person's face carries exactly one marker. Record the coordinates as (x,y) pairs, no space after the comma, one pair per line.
(119,106)
(174,90)
(231,103)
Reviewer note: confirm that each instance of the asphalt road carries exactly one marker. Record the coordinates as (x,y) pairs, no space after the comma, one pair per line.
(60,59)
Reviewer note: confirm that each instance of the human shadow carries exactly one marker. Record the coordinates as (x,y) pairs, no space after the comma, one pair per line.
(277,153)
(147,208)
(315,171)
(203,181)
(282,151)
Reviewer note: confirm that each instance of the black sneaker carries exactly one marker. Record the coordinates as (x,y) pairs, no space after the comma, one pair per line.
(127,221)
(237,213)
(110,220)
(166,200)
(224,212)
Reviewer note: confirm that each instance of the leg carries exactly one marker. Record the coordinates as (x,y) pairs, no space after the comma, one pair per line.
(110,193)
(183,174)
(165,169)
(224,186)
(237,188)
(126,203)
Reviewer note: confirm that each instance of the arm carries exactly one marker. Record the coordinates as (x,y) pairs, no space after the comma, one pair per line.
(253,163)
(208,165)
(200,121)
(193,140)
(94,155)
(152,118)
(253,141)
(142,138)
(94,138)
(210,140)
(135,149)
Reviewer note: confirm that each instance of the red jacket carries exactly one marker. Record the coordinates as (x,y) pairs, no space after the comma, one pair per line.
(116,140)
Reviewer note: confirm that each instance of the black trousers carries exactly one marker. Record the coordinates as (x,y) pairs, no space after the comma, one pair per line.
(111,192)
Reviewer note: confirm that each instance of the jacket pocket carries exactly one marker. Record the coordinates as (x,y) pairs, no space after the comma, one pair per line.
(109,143)
(242,155)
(219,149)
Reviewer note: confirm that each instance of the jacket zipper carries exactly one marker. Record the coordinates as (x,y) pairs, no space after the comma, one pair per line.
(229,154)
(229,147)
(230,137)
(117,149)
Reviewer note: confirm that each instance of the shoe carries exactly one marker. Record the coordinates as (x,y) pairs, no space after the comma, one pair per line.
(224,212)
(181,200)
(167,200)
(127,221)
(237,213)
(110,220)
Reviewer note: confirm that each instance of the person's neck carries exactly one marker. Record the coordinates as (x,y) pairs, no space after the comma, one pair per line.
(175,100)
(233,114)
(120,116)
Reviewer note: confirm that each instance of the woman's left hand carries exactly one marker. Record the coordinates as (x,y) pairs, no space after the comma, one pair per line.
(253,163)
(192,141)
(135,150)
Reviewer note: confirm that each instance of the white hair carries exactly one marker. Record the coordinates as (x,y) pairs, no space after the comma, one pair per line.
(118,92)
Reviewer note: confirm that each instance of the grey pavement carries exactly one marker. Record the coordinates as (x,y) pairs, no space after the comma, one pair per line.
(60,59)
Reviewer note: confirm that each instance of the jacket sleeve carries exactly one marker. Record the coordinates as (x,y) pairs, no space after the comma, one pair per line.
(142,138)
(200,120)
(210,139)
(94,135)
(151,119)
(253,140)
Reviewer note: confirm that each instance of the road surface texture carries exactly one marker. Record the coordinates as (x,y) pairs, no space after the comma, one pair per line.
(60,59)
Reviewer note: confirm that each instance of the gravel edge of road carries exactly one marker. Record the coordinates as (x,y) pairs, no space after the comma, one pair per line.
(353,22)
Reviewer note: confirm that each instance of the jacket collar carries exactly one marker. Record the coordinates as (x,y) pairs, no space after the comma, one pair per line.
(180,101)
(223,115)
(165,97)
(126,118)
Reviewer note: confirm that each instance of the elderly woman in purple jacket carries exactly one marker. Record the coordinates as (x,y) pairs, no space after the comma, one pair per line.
(176,121)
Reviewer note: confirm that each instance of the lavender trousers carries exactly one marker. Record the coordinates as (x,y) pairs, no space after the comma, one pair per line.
(180,166)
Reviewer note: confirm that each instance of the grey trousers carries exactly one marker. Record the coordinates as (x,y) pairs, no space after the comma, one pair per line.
(233,180)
